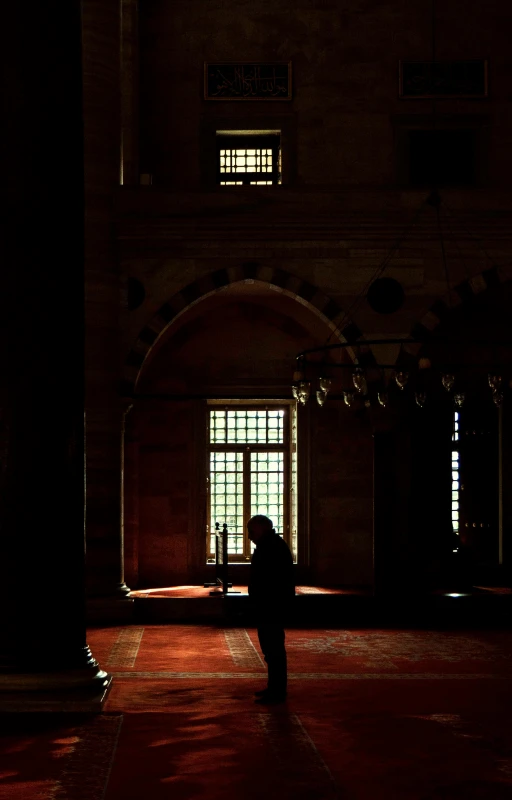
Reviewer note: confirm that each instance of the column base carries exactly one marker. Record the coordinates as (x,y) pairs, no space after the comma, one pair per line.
(107,604)
(112,608)
(79,690)
(98,590)
(78,700)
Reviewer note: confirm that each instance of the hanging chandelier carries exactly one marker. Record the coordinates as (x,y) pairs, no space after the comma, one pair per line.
(379,383)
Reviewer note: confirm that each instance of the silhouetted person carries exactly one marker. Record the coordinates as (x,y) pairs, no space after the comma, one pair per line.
(271,591)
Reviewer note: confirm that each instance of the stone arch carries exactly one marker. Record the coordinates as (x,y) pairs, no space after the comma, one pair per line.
(303,291)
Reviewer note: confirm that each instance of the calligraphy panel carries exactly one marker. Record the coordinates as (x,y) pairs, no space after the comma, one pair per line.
(248,81)
(437,79)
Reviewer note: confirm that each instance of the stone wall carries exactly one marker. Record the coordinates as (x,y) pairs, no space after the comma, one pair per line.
(341,497)
(343,124)
(341,218)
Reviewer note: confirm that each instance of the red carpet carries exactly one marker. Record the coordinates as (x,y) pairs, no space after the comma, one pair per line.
(206,649)
(398,715)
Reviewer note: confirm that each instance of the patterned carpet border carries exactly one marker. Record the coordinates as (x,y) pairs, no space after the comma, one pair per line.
(126,647)
(87,769)
(295,752)
(314,676)
(242,650)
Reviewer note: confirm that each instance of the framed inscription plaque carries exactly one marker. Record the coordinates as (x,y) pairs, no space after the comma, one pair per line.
(438,79)
(248,81)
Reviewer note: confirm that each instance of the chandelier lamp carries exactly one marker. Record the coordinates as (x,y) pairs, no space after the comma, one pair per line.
(365,380)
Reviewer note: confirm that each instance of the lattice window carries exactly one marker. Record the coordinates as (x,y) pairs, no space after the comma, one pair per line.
(226,497)
(267,487)
(247,426)
(251,471)
(248,160)
(455,474)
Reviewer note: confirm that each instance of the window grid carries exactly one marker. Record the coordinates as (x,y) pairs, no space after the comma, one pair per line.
(247,426)
(293,479)
(227,498)
(455,475)
(251,183)
(267,487)
(246,160)
(249,461)
(253,160)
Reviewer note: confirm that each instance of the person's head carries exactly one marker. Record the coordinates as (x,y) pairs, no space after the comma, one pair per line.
(259,527)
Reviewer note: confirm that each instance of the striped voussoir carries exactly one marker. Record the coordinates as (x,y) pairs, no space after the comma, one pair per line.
(301,290)
(462,294)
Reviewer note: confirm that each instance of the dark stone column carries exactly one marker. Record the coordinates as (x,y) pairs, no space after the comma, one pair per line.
(480,486)
(131,501)
(431,535)
(105,584)
(130,91)
(393,572)
(413,537)
(505,487)
(42,549)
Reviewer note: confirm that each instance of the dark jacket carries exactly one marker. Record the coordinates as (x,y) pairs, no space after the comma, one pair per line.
(272,579)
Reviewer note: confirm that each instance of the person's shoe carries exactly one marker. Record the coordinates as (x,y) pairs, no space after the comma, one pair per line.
(261,692)
(269,699)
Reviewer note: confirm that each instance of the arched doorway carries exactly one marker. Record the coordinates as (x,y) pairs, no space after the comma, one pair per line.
(239,345)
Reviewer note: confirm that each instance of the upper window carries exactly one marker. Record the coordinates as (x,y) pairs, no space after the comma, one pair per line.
(442,157)
(248,159)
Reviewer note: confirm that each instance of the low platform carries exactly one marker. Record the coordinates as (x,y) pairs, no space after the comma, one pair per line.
(200,591)
(334,606)
(196,603)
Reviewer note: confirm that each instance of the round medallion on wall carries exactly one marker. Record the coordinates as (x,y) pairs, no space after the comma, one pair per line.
(385,296)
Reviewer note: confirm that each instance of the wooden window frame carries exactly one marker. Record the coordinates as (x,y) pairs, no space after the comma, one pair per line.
(247,450)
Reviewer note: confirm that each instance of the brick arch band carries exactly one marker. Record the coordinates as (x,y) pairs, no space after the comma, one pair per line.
(463,294)
(303,291)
